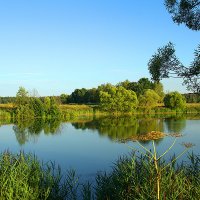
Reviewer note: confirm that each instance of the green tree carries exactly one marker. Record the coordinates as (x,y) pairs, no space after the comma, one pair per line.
(64,98)
(165,64)
(23,110)
(149,99)
(91,96)
(51,108)
(125,84)
(78,96)
(174,100)
(145,83)
(37,106)
(191,74)
(105,87)
(47,104)
(138,87)
(22,96)
(158,88)
(118,99)
(192,98)
(54,111)
(185,11)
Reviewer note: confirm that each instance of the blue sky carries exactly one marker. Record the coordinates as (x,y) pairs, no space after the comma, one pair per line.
(56,46)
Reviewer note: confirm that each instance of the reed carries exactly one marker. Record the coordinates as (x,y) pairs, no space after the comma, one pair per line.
(23,177)
(149,176)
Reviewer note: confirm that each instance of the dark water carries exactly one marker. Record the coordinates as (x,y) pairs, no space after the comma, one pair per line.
(91,145)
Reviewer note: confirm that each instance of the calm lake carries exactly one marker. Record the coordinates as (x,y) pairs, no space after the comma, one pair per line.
(91,145)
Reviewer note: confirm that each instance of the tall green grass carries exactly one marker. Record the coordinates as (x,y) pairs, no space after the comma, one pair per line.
(70,112)
(23,177)
(135,178)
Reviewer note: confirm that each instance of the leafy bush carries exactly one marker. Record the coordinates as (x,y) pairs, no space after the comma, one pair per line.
(30,107)
(175,100)
(118,99)
(149,99)
(5,115)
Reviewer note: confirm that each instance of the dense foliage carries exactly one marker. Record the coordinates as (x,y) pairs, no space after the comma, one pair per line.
(185,11)
(106,98)
(118,99)
(31,107)
(164,63)
(5,100)
(149,99)
(192,98)
(175,100)
(92,96)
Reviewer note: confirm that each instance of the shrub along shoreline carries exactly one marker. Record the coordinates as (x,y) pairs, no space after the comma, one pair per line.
(23,177)
(68,112)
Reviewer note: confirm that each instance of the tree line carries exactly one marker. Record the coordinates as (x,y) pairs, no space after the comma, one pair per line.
(92,96)
(125,96)
(33,107)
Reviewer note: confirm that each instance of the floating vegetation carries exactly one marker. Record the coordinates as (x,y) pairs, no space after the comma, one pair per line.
(176,135)
(153,135)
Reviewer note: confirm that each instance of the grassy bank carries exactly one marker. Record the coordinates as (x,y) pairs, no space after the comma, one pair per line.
(73,111)
(70,112)
(193,108)
(6,112)
(93,110)
(24,177)
(5,115)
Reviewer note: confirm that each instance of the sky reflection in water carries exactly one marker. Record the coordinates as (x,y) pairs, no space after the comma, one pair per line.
(93,145)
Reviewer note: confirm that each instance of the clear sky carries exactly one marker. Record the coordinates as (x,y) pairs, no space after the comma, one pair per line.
(56,46)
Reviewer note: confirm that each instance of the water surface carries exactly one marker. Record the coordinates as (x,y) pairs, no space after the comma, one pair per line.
(91,145)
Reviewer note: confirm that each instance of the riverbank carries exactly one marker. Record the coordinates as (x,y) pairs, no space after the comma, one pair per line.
(71,111)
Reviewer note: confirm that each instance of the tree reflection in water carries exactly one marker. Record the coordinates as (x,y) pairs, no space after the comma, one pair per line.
(31,129)
(122,129)
(176,124)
